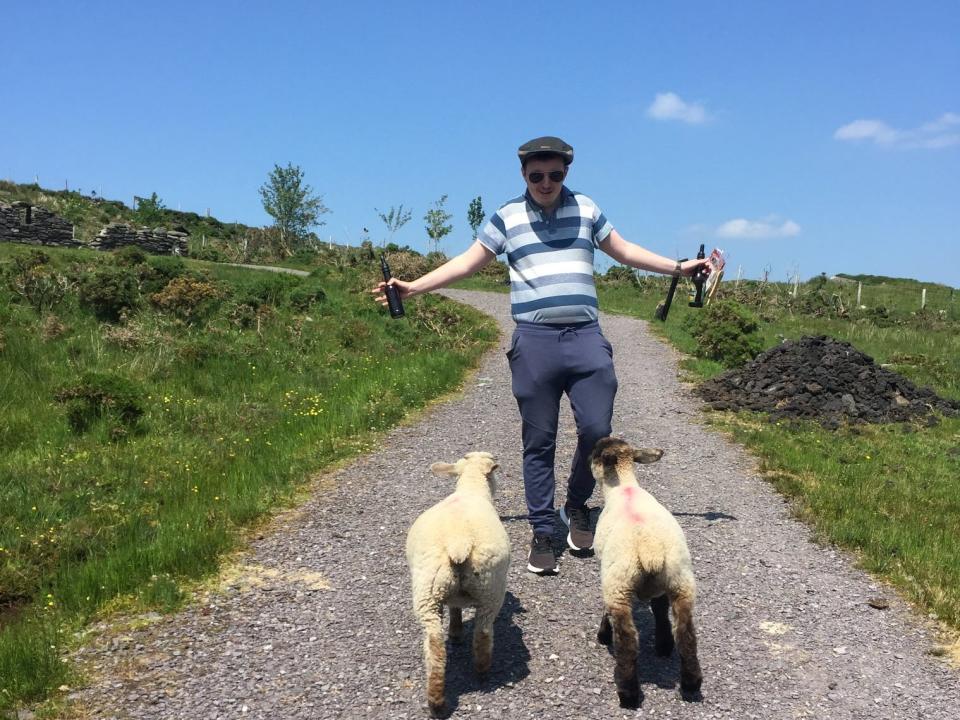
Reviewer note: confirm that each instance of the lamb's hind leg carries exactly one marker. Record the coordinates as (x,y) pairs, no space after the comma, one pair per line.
(456,624)
(663,634)
(625,650)
(605,632)
(691,676)
(483,637)
(434,657)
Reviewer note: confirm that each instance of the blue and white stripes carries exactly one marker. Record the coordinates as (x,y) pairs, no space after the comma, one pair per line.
(550,256)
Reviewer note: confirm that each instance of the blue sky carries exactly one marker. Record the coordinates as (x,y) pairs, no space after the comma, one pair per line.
(807,136)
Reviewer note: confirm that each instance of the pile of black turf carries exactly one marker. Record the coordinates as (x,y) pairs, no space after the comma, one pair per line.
(823,379)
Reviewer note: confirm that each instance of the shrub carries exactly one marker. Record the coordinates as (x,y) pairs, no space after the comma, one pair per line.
(306,294)
(130,256)
(266,289)
(110,292)
(406,265)
(725,331)
(103,396)
(40,286)
(496,271)
(210,254)
(188,298)
(620,275)
(32,259)
(306,256)
(160,270)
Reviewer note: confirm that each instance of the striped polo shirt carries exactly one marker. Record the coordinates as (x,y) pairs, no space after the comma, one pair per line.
(550,256)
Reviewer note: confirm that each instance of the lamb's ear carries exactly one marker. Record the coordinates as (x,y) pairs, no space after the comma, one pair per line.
(444,469)
(609,457)
(646,455)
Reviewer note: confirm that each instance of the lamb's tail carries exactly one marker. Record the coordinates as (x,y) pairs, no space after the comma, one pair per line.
(459,549)
(448,578)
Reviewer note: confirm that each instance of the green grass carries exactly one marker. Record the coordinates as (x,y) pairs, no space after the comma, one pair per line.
(889,493)
(237,417)
(891,496)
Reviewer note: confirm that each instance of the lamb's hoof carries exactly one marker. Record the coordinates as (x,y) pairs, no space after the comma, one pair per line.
(629,699)
(663,647)
(605,636)
(438,710)
(690,686)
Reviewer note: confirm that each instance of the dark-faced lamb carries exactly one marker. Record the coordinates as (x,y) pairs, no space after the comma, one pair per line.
(643,556)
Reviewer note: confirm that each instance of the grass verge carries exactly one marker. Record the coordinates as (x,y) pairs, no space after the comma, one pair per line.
(890,493)
(133,453)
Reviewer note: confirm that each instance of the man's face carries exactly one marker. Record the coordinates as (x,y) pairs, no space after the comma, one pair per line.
(544,190)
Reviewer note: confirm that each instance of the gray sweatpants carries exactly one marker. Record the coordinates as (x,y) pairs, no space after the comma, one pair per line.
(547,361)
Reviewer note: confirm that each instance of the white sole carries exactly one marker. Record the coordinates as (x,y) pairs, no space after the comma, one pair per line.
(574,547)
(541,571)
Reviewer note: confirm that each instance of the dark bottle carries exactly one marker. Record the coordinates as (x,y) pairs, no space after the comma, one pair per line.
(698,280)
(393,295)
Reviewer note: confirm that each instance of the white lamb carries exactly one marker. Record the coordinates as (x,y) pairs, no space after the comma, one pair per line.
(643,556)
(459,554)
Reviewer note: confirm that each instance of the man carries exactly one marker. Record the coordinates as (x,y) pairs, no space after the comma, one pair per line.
(549,235)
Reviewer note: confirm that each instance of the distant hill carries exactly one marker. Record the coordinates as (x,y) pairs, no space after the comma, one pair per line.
(885,280)
(90,213)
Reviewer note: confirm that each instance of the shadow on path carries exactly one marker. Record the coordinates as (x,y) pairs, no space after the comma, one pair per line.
(510,657)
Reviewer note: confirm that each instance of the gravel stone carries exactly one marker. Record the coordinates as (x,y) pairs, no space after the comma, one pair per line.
(324,629)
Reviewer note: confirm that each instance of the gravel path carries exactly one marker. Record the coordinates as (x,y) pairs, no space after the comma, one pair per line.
(318,623)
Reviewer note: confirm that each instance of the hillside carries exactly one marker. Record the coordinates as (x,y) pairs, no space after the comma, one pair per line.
(887,280)
(90,214)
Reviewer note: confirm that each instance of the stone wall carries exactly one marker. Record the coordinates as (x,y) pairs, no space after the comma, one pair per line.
(158,241)
(25,223)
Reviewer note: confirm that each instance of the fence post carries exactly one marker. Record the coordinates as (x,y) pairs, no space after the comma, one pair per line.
(859,288)
(923,298)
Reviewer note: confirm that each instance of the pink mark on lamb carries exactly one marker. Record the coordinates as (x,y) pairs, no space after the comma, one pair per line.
(631,493)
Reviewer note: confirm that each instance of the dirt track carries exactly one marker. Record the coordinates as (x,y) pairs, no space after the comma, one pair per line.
(318,624)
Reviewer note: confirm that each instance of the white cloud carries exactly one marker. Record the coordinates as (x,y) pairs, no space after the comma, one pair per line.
(670,106)
(769,227)
(940,133)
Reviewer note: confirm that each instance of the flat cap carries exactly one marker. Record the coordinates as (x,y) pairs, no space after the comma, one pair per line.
(547,145)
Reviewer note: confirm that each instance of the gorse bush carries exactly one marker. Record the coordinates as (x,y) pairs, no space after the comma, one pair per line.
(620,275)
(42,287)
(726,331)
(110,292)
(188,298)
(104,396)
(160,270)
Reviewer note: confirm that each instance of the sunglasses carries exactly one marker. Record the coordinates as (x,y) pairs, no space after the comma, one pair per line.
(536,177)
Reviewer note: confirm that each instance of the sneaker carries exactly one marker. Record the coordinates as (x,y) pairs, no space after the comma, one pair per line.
(542,560)
(580,536)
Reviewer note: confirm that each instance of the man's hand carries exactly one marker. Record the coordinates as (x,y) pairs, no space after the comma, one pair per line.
(690,267)
(381,295)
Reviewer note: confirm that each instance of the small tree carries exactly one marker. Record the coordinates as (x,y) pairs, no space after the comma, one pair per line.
(149,210)
(475,214)
(437,227)
(394,220)
(292,205)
